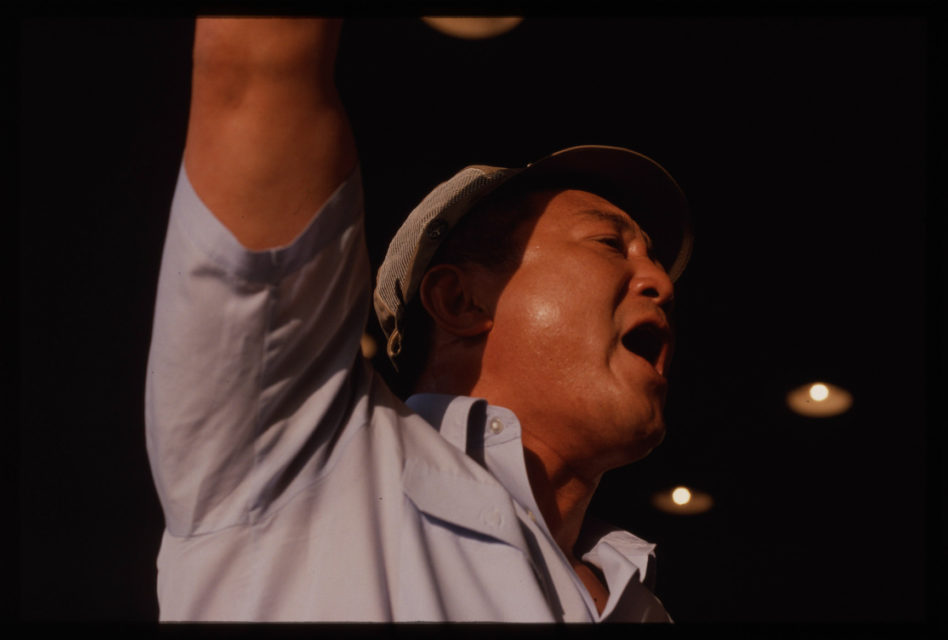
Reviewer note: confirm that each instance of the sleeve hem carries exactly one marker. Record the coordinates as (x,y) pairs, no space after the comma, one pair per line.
(343,209)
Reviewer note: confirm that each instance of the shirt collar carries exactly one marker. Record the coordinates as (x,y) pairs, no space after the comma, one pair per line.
(606,546)
(447,413)
(491,435)
(487,433)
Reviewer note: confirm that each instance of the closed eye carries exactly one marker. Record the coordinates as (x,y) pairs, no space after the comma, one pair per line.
(613,242)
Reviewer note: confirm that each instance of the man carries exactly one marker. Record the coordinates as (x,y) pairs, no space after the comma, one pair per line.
(527,307)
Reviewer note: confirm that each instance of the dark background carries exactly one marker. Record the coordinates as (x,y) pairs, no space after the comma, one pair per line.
(810,147)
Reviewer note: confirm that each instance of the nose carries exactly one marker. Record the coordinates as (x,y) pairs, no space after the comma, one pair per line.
(649,279)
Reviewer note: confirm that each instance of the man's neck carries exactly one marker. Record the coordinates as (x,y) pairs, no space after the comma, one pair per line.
(562,492)
(563,495)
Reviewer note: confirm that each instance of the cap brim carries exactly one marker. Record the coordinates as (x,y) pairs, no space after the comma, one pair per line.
(635,183)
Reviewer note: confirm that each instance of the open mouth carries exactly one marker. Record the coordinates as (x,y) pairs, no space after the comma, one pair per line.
(648,342)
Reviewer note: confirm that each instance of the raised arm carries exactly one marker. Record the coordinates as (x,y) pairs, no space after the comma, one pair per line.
(268,139)
(248,347)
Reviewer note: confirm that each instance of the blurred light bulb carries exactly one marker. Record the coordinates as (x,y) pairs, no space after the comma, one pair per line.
(682,501)
(819,392)
(681,495)
(819,400)
(473,28)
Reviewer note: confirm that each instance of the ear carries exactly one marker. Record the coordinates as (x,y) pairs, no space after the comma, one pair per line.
(447,293)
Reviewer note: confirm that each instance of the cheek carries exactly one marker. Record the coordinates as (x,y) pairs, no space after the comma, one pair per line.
(541,301)
(533,317)
(541,315)
(548,332)
(551,316)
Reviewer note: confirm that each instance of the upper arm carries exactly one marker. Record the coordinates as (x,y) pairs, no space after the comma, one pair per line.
(268,139)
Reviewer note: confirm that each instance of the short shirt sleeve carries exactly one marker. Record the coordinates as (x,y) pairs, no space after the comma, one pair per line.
(252,358)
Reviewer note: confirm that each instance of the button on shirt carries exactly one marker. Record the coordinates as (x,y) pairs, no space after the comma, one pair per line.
(297,487)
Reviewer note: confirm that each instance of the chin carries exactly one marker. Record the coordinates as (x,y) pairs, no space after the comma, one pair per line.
(657,438)
(646,442)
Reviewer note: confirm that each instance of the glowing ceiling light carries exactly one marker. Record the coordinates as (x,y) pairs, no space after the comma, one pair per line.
(819,392)
(819,400)
(681,496)
(473,28)
(682,501)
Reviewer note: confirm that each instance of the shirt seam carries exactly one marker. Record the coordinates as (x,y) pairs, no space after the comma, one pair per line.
(245,516)
(283,260)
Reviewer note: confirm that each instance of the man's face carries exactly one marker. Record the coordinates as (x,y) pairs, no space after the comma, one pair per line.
(580,343)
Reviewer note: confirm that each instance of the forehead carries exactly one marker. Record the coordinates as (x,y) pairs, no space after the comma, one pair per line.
(568,207)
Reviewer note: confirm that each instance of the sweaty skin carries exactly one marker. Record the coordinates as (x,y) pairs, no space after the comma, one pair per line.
(555,354)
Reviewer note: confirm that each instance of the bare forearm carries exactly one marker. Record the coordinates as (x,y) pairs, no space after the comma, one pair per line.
(268,139)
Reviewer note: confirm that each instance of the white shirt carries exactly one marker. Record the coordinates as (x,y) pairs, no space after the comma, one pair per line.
(297,487)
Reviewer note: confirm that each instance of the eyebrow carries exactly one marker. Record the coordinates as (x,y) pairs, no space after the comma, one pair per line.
(619,220)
